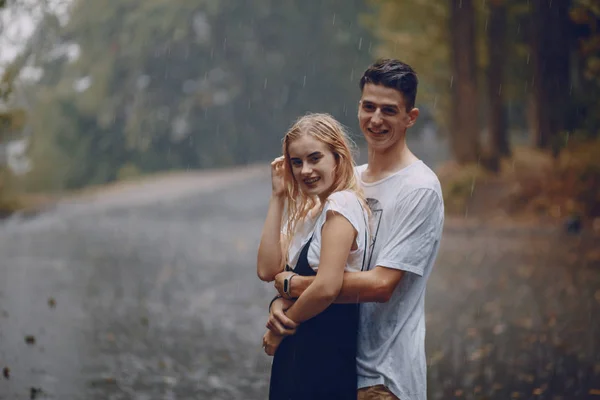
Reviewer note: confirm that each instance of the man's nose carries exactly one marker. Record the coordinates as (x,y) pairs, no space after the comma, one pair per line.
(376,118)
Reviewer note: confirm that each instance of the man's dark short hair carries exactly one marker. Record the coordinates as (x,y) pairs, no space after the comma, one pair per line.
(393,74)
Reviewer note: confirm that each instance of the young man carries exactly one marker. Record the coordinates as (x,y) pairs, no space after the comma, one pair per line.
(406,228)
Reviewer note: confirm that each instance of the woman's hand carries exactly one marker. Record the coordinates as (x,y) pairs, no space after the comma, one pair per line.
(278,322)
(271,342)
(277,181)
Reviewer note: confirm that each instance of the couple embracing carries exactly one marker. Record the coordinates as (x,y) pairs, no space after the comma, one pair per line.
(350,249)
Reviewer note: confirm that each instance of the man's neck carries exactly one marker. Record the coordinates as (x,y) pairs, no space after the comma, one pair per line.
(384,164)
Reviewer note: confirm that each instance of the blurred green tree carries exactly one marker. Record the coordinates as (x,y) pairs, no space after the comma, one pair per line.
(150,85)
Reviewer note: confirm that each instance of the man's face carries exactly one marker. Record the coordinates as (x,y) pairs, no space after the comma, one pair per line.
(383,118)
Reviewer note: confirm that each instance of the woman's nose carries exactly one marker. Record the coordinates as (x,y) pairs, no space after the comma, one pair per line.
(306,169)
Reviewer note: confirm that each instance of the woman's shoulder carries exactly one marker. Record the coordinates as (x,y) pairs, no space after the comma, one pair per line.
(344,199)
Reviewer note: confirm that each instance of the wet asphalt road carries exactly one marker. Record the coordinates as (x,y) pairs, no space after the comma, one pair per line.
(158,301)
(156,297)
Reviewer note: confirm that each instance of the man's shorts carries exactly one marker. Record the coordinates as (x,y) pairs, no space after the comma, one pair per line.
(377,392)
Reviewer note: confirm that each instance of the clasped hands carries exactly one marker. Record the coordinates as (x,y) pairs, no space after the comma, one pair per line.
(279,325)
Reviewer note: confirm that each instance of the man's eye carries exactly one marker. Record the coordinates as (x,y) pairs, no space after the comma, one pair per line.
(368,107)
(389,111)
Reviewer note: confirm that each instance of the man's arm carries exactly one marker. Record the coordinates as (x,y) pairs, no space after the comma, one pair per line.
(376,285)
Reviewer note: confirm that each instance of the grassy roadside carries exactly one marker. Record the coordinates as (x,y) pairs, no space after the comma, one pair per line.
(531,185)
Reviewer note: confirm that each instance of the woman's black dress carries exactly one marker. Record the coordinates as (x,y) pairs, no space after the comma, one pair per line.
(319,360)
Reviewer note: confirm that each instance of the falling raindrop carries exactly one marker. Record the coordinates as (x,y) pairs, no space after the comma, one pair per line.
(360,44)
(265,85)
(224,44)
(352,75)
(435,102)
(451,80)
(212,52)
(304,82)
(333,22)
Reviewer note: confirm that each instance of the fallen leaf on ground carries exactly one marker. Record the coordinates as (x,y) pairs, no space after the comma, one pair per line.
(34,392)
(51,302)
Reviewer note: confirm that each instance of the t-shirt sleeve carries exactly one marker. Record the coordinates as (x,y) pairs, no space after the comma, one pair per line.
(415,221)
(347,205)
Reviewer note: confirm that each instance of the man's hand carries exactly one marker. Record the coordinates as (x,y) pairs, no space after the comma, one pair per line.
(271,342)
(298,284)
(278,283)
(278,322)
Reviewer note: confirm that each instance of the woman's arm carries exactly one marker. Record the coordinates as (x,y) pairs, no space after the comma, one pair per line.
(337,236)
(268,263)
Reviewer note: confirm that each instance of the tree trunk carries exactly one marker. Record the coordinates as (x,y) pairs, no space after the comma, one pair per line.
(465,127)
(551,71)
(499,143)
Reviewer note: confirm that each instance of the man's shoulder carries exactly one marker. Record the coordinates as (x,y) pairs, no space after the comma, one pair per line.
(416,177)
(359,169)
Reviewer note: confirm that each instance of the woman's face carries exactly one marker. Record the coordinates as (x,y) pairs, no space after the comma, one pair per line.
(313,165)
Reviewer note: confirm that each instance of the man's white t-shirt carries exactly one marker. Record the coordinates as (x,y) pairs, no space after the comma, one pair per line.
(406,225)
(348,205)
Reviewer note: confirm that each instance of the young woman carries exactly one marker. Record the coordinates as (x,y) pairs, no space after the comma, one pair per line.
(317,224)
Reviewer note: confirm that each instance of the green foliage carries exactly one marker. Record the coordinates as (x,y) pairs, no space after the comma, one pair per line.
(190,85)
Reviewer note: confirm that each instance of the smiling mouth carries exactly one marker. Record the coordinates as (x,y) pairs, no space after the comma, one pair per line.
(383,132)
(311,181)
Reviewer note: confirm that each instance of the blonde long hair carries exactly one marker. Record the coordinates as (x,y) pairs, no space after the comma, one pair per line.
(328,130)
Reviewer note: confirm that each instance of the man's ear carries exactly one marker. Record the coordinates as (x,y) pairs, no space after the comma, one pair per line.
(412,115)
